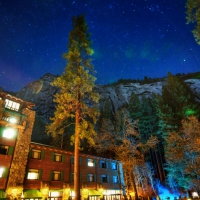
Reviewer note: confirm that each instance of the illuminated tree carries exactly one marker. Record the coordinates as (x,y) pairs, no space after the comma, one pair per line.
(183,154)
(176,103)
(76,100)
(122,139)
(193,16)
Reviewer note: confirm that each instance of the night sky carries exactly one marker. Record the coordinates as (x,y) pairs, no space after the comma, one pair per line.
(131,39)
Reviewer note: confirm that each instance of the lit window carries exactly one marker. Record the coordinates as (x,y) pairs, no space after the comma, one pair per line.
(115,179)
(1,172)
(90,162)
(36,154)
(55,194)
(9,133)
(104,178)
(4,149)
(56,176)
(114,166)
(103,164)
(12,105)
(90,177)
(57,157)
(33,174)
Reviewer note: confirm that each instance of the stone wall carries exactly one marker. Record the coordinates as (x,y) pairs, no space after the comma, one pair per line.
(20,156)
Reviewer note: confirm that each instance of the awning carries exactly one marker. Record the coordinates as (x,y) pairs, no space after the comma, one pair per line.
(94,193)
(55,190)
(2,194)
(32,193)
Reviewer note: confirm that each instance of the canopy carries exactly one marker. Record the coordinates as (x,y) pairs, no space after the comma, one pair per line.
(2,194)
(32,193)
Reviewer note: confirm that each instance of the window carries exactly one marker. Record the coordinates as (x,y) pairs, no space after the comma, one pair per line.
(12,120)
(4,149)
(72,160)
(57,157)
(56,176)
(12,105)
(33,174)
(114,166)
(90,177)
(104,178)
(90,162)
(115,179)
(1,172)
(103,164)
(36,154)
(55,194)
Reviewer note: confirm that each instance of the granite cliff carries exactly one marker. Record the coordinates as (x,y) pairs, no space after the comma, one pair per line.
(42,93)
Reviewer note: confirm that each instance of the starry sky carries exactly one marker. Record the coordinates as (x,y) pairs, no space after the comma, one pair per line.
(131,39)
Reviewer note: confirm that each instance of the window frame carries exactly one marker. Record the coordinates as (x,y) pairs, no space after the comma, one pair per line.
(115,179)
(4,147)
(54,173)
(57,155)
(91,178)
(39,152)
(103,164)
(90,162)
(12,105)
(104,178)
(33,172)
(114,166)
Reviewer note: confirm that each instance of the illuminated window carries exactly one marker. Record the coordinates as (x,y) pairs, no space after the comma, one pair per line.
(9,133)
(115,179)
(12,105)
(33,174)
(91,162)
(114,166)
(36,154)
(103,164)
(1,172)
(4,149)
(90,177)
(57,157)
(104,178)
(55,194)
(56,176)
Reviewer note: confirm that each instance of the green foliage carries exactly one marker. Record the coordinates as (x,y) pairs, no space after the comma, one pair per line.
(76,103)
(193,16)
(175,103)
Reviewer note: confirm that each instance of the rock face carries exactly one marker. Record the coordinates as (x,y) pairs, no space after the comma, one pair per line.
(41,93)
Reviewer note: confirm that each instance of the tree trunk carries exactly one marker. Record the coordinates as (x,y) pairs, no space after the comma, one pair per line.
(134,186)
(76,150)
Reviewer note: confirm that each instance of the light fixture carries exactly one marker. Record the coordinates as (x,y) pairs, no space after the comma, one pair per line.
(9,133)
(55,194)
(12,120)
(1,171)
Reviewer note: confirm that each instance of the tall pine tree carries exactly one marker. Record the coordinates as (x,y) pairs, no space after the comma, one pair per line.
(76,100)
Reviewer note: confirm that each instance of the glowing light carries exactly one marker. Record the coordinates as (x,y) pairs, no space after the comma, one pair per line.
(9,133)
(195,195)
(55,194)
(12,120)
(1,172)
(189,112)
